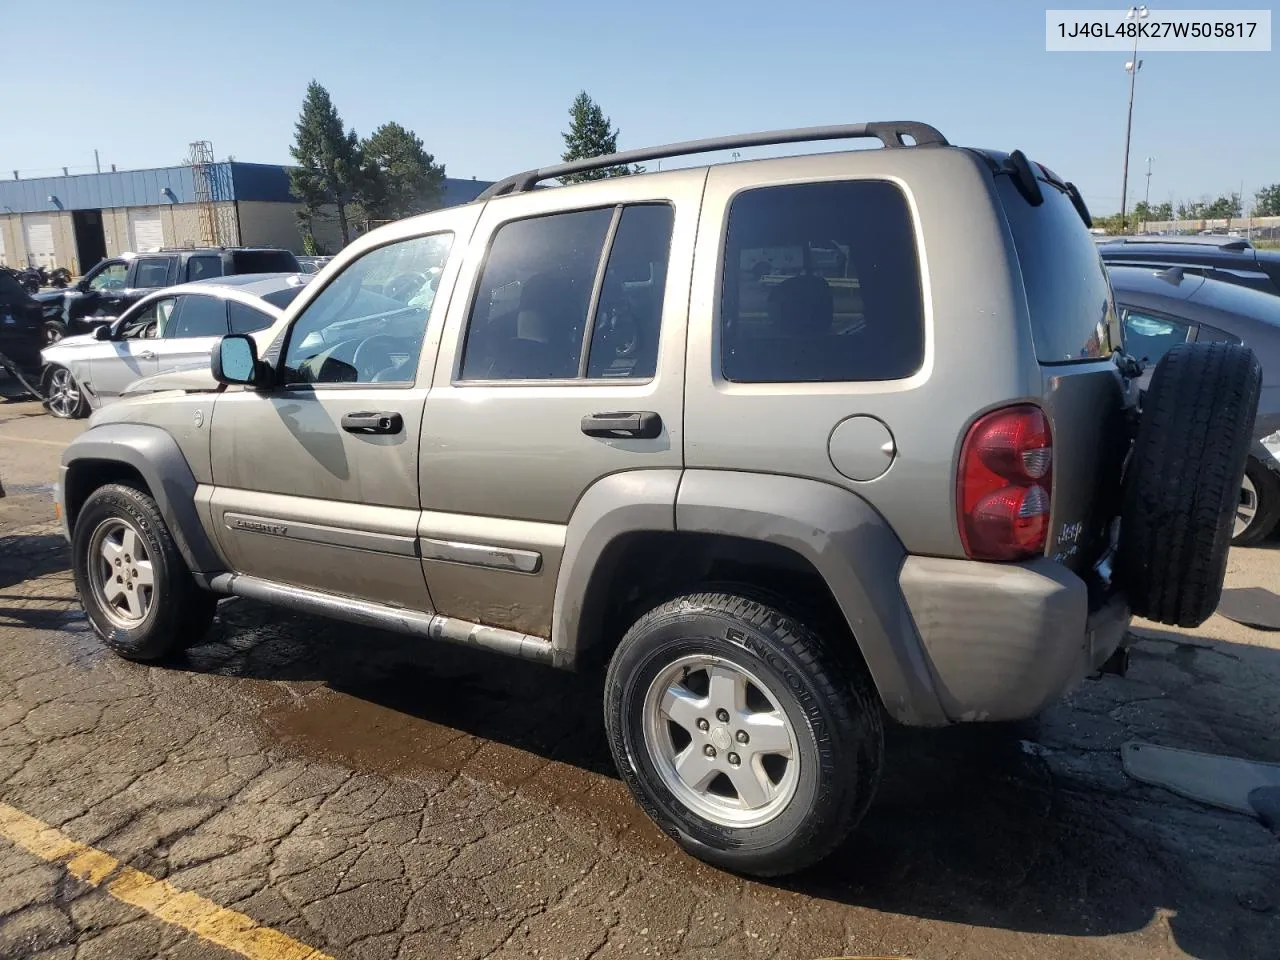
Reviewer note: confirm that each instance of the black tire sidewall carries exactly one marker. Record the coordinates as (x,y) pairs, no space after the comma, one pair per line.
(820,793)
(152,637)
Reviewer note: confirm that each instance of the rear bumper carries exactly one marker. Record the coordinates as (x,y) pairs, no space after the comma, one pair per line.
(1005,640)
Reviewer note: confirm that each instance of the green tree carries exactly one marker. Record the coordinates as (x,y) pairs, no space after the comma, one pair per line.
(590,134)
(1191,210)
(330,168)
(1266,202)
(402,178)
(1163,211)
(1224,207)
(1142,212)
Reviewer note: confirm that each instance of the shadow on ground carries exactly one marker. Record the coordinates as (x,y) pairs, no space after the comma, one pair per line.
(1027,827)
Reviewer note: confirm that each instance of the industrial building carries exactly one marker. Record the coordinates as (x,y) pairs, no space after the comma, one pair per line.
(75,221)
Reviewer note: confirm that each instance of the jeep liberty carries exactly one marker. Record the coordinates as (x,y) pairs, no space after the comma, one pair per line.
(797,446)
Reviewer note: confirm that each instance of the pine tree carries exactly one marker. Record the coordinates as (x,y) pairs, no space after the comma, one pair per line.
(330,166)
(590,134)
(403,178)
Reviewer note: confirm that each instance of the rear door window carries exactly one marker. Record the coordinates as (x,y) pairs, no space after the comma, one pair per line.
(201,268)
(152,272)
(200,317)
(1073,316)
(821,284)
(264,261)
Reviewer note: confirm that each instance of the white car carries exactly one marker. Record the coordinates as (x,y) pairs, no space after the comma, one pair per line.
(170,330)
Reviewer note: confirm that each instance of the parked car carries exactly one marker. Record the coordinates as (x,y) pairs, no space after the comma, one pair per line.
(20,317)
(1228,259)
(1161,308)
(111,287)
(172,329)
(781,511)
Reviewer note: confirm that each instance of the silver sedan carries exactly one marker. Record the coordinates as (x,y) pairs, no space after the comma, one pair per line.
(170,330)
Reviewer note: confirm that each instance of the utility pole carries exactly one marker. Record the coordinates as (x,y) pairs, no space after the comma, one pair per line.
(1146,200)
(96,164)
(1135,14)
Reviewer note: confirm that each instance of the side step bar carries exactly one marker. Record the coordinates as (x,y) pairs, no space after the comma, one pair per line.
(434,626)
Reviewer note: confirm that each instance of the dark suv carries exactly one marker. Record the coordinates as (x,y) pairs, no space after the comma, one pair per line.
(113,285)
(1230,259)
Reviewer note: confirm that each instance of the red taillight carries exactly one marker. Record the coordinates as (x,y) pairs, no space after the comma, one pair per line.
(1004,484)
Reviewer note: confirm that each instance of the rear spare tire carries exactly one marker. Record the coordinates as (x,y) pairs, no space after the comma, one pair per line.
(1184,480)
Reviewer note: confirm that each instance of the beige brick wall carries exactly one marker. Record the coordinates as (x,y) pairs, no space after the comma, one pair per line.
(9,240)
(115,227)
(15,240)
(270,225)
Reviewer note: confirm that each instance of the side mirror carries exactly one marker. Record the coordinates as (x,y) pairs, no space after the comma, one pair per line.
(235,361)
(102,332)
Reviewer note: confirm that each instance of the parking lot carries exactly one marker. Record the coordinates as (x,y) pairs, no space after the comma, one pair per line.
(318,787)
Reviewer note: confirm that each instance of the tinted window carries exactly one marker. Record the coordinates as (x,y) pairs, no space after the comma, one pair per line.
(1149,337)
(530,312)
(111,278)
(200,317)
(149,323)
(628,320)
(367,325)
(245,319)
(821,283)
(152,272)
(1072,314)
(264,261)
(200,268)
(10,290)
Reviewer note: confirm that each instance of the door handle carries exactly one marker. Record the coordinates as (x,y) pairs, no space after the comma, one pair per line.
(640,424)
(383,421)
(146,355)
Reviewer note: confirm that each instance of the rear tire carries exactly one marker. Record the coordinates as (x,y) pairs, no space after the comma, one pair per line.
(1185,478)
(1254,524)
(790,792)
(135,587)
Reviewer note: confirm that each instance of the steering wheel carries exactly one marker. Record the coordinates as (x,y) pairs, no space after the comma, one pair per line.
(374,355)
(404,286)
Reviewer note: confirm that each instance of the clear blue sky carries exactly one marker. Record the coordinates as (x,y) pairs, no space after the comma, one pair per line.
(487,84)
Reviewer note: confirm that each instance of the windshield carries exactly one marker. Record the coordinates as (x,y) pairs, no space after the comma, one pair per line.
(1073,316)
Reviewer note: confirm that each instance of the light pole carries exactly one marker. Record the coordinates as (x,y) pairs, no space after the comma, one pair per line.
(1146,204)
(1135,15)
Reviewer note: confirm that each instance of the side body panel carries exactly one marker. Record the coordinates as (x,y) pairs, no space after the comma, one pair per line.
(977,346)
(504,462)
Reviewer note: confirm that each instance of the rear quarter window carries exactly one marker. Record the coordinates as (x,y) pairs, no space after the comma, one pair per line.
(821,284)
(1073,316)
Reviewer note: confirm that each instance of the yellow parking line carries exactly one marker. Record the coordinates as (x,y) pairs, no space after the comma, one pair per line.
(47,443)
(192,912)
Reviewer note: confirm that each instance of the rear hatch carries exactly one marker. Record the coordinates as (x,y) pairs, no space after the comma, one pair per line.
(1074,328)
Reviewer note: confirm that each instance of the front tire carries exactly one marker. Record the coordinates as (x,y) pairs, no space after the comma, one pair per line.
(63,396)
(54,330)
(1259,507)
(131,578)
(741,734)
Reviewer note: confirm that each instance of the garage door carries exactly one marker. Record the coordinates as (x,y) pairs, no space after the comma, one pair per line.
(145,231)
(38,233)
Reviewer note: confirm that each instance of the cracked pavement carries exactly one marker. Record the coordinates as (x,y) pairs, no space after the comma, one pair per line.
(375,796)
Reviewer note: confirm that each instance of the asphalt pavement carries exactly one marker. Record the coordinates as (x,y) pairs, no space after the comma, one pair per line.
(294,787)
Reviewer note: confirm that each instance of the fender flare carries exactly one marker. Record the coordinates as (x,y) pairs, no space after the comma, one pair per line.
(156,456)
(841,536)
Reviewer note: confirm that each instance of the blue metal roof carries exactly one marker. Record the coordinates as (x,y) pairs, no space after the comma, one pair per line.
(147,188)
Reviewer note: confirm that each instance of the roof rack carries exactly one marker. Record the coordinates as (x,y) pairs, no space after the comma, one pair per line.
(891,133)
